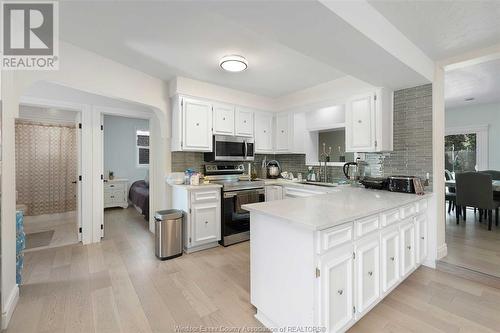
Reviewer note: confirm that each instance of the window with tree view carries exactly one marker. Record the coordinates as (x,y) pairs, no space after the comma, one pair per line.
(460,152)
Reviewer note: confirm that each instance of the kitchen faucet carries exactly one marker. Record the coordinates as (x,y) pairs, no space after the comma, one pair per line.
(325,158)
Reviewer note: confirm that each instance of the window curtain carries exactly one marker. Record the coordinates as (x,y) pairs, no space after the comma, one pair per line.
(46,167)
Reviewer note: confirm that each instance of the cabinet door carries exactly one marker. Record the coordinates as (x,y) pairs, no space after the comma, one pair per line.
(223,119)
(197,125)
(283,132)
(360,124)
(421,239)
(244,122)
(407,248)
(390,259)
(274,193)
(336,289)
(263,133)
(367,274)
(205,223)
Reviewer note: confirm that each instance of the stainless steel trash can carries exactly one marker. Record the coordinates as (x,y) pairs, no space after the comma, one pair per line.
(168,233)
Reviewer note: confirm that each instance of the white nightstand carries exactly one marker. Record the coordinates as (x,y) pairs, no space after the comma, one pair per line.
(116,193)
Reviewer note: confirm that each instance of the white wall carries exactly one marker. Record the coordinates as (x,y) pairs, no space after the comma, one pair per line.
(480,114)
(120,151)
(46,115)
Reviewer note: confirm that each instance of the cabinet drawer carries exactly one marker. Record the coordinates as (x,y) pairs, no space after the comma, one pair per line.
(113,196)
(205,196)
(408,210)
(390,217)
(421,206)
(336,236)
(366,225)
(114,187)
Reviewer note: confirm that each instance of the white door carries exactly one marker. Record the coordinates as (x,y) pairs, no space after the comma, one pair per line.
(244,122)
(263,133)
(390,259)
(421,239)
(360,124)
(205,223)
(407,248)
(273,192)
(282,132)
(223,119)
(367,274)
(336,289)
(197,125)
(78,174)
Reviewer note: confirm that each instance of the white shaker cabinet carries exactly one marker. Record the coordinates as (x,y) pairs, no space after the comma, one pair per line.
(263,132)
(284,132)
(223,118)
(369,122)
(191,125)
(407,248)
(244,122)
(202,215)
(367,274)
(421,239)
(390,258)
(337,290)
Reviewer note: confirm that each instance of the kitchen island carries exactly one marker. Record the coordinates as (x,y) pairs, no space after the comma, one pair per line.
(325,261)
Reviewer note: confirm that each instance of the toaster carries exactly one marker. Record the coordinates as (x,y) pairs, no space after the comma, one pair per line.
(401,184)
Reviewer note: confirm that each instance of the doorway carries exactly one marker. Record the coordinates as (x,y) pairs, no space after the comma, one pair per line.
(47,176)
(126,165)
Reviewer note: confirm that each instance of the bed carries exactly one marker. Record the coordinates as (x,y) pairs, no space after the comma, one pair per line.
(139,196)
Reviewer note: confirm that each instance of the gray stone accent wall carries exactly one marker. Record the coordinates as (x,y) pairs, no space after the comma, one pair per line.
(412,154)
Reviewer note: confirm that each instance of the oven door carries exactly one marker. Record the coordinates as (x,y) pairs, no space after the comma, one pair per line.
(236,220)
(233,148)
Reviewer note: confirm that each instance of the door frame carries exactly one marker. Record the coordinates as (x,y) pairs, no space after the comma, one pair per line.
(481,132)
(83,208)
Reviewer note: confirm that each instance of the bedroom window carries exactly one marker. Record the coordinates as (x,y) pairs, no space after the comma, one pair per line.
(142,143)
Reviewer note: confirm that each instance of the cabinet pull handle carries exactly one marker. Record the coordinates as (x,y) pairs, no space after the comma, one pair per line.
(282,131)
(244,121)
(422,237)
(223,118)
(197,124)
(264,131)
(359,121)
(206,222)
(409,247)
(340,291)
(392,258)
(370,273)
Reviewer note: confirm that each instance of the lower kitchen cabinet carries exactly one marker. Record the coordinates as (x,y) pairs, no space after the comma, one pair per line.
(421,225)
(367,274)
(202,215)
(337,289)
(407,247)
(390,258)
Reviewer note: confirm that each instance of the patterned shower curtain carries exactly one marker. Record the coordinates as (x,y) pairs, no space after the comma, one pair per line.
(46,166)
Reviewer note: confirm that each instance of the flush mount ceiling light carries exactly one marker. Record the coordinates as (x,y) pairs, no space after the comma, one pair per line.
(233,63)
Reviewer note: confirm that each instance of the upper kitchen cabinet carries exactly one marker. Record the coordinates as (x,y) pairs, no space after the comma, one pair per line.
(244,122)
(191,125)
(284,132)
(224,119)
(263,132)
(368,123)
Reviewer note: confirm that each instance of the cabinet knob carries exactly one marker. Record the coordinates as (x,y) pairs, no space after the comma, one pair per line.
(392,258)
(422,237)
(409,247)
(370,273)
(340,291)
(206,222)
(112,196)
(264,131)
(244,121)
(197,124)
(282,131)
(223,118)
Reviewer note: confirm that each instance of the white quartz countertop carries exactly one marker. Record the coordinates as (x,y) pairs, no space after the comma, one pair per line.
(195,187)
(328,210)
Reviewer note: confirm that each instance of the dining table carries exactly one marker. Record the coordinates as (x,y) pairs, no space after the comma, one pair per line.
(496,184)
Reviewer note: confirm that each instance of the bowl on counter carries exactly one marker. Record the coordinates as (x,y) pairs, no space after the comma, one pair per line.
(175,178)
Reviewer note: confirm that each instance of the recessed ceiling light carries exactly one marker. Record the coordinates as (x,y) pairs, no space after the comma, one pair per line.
(233,63)
(469,99)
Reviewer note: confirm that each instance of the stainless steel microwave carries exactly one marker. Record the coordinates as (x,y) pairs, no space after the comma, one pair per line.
(231,148)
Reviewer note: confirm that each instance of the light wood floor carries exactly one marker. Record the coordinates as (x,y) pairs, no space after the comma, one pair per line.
(472,246)
(119,286)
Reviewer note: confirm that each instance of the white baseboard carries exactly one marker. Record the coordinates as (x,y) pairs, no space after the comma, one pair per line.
(442,251)
(10,305)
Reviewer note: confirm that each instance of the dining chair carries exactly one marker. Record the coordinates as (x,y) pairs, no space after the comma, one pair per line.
(450,193)
(475,189)
(495,174)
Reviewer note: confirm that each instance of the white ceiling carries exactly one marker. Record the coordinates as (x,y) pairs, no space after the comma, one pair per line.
(481,81)
(443,29)
(290,45)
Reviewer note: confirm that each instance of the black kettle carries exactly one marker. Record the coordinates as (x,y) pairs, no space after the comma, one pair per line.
(353,166)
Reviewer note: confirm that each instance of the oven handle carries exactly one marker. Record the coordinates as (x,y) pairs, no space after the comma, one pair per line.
(246,149)
(234,193)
